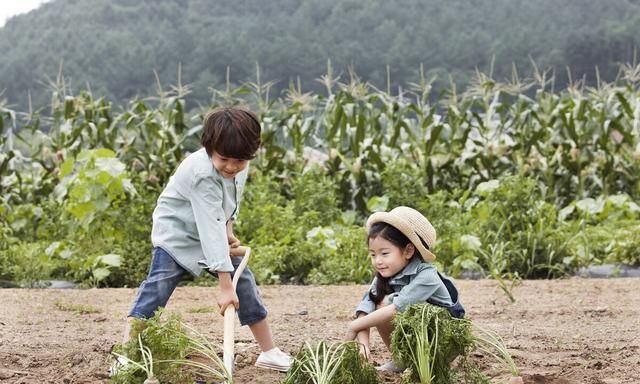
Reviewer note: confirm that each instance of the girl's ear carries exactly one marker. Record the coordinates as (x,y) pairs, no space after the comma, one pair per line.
(409,250)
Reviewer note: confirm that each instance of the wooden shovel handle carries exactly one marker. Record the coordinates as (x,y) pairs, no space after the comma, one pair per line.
(230,312)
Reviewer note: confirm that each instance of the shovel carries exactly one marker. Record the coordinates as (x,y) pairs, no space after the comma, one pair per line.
(230,311)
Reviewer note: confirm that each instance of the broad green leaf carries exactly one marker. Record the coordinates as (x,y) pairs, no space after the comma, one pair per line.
(100,274)
(487,187)
(52,248)
(111,259)
(470,242)
(67,167)
(378,203)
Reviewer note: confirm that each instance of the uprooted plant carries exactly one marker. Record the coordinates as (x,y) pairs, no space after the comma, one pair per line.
(147,362)
(490,343)
(170,351)
(324,363)
(426,340)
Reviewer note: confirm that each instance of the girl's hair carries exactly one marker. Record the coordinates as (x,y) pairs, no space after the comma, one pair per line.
(395,237)
(231,132)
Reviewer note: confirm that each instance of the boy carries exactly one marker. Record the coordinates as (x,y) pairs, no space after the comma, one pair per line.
(192,228)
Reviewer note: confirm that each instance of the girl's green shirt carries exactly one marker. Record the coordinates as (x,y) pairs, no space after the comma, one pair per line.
(190,218)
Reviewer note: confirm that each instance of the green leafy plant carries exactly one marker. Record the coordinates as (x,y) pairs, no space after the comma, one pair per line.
(343,256)
(173,352)
(426,340)
(490,342)
(162,338)
(330,363)
(27,263)
(424,353)
(80,309)
(549,175)
(99,181)
(147,362)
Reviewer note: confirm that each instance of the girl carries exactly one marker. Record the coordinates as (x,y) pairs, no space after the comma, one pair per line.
(399,245)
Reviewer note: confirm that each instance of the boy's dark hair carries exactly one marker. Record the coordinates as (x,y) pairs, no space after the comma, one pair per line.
(395,237)
(231,132)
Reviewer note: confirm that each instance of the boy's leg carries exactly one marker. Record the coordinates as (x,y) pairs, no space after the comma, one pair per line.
(262,333)
(251,311)
(154,292)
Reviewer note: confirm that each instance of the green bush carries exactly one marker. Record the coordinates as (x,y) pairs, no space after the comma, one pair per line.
(277,225)
(313,190)
(26,263)
(404,184)
(517,228)
(343,255)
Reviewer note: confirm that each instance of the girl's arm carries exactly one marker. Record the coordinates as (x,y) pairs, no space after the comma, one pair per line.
(362,338)
(377,317)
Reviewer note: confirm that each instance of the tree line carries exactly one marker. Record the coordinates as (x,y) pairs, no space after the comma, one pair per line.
(116,48)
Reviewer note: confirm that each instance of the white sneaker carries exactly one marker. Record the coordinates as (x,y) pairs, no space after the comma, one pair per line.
(119,365)
(274,359)
(390,366)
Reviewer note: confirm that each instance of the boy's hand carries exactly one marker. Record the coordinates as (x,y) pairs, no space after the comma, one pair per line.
(232,240)
(226,298)
(227,293)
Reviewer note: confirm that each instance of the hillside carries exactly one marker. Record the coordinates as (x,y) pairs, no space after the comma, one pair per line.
(115,45)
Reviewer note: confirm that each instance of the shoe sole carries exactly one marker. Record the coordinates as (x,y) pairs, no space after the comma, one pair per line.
(275,367)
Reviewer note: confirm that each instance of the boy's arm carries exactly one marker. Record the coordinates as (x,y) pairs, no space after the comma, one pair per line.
(206,203)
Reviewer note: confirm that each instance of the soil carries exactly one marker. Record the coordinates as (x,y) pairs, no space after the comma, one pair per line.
(559,332)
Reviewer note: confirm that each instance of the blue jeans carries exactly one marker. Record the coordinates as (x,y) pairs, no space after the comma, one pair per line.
(164,276)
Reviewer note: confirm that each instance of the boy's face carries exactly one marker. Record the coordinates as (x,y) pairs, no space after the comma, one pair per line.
(228,167)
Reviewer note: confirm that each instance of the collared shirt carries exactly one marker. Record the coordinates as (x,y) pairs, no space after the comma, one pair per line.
(416,283)
(190,218)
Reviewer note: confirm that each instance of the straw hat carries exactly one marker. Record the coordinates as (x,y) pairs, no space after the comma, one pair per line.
(413,225)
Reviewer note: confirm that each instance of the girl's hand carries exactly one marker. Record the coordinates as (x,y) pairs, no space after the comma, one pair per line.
(365,352)
(351,334)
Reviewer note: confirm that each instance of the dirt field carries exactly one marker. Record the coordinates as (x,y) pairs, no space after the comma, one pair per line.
(562,331)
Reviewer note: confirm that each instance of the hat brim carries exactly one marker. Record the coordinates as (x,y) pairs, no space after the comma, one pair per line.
(404,227)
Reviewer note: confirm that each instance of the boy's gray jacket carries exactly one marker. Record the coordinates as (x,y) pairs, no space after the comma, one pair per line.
(189,221)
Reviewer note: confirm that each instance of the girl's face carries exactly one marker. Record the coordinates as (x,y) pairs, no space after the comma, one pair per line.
(228,167)
(387,258)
